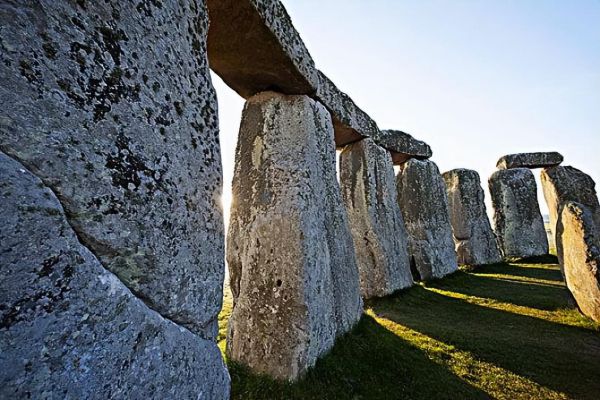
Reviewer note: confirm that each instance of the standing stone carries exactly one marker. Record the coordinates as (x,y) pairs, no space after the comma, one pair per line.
(563,184)
(473,236)
(380,238)
(70,329)
(577,236)
(293,271)
(424,205)
(110,103)
(517,217)
(530,160)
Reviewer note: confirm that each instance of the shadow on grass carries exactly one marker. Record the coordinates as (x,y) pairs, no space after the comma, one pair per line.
(556,356)
(524,271)
(526,294)
(369,363)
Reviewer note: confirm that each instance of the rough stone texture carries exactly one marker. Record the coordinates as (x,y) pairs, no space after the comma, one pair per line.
(380,238)
(577,237)
(529,160)
(563,184)
(292,266)
(71,329)
(349,121)
(111,105)
(253,46)
(517,218)
(403,146)
(473,236)
(424,205)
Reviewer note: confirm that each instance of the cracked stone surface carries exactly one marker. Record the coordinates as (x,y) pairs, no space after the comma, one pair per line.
(424,205)
(380,238)
(111,105)
(402,145)
(564,183)
(530,160)
(579,243)
(473,236)
(292,266)
(71,329)
(517,218)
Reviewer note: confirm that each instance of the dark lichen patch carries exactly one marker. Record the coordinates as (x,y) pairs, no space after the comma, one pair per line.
(111,39)
(29,72)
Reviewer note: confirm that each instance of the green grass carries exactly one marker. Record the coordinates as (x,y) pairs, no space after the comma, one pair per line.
(506,331)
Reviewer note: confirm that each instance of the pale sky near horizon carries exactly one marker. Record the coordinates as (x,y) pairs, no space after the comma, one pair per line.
(474,79)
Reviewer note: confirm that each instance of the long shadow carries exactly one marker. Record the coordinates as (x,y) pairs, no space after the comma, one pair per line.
(556,356)
(540,296)
(528,271)
(368,363)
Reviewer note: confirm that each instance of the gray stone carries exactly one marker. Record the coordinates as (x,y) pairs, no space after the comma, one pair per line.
(424,205)
(579,243)
(380,238)
(517,218)
(292,266)
(529,160)
(253,46)
(111,105)
(403,146)
(473,236)
(70,329)
(563,184)
(349,121)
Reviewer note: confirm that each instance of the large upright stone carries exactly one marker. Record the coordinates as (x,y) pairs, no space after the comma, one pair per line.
(293,270)
(473,236)
(517,217)
(424,205)
(529,160)
(110,103)
(380,238)
(563,184)
(70,329)
(579,242)
(402,145)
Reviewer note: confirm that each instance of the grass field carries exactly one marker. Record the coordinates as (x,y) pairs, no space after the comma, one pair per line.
(507,331)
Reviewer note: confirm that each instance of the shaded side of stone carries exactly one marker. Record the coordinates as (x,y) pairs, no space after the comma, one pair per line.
(253,46)
(579,243)
(517,218)
(424,205)
(402,145)
(291,296)
(530,160)
(349,121)
(111,105)
(562,184)
(380,238)
(473,236)
(71,329)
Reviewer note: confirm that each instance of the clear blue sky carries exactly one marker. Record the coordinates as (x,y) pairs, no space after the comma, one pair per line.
(474,79)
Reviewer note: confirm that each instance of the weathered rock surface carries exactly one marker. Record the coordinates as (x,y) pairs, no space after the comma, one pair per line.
(517,217)
(380,238)
(253,46)
(402,145)
(292,265)
(563,184)
(111,105)
(349,121)
(473,236)
(529,160)
(71,329)
(424,205)
(577,236)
